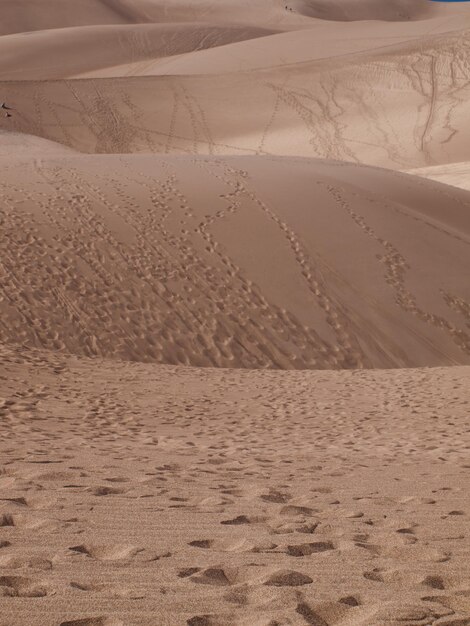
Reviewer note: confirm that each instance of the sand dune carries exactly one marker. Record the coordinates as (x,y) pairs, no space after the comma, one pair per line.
(65,52)
(199,183)
(158,259)
(24,16)
(322,40)
(372,109)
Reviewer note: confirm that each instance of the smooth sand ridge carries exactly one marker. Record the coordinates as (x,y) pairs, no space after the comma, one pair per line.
(403,109)
(122,49)
(18,16)
(327,40)
(234,262)
(65,52)
(201,497)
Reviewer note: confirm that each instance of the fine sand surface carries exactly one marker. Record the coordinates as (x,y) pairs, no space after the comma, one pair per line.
(234,313)
(138,495)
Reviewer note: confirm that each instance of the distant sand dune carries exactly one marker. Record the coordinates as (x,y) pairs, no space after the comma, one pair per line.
(351,10)
(404,108)
(65,52)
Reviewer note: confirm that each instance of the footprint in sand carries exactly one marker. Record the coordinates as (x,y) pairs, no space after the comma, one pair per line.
(94,621)
(105,491)
(435,582)
(21,587)
(14,562)
(110,590)
(350,601)
(240,519)
(293,510)
(214,576)
(306,549)
(6,519)
(288,578)
(276,497)
(107,553)
(201,543)
(205,620)
(240,545)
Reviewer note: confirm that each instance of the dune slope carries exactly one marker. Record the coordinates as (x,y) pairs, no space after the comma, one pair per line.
(404,108)
(236,262)
(65,52)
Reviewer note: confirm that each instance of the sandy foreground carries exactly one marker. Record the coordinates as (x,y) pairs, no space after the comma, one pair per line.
(142,494)
(234,313)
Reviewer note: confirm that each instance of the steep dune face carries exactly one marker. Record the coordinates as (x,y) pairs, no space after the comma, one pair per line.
(238,262)
(404,108)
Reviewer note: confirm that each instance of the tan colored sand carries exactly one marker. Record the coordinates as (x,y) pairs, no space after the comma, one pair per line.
(368,108)
(455,174)
(141,494)
(195,183)
(228,262)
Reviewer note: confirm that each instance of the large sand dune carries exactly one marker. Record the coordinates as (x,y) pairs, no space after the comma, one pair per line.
(233,263)
(66,52)
(401,108)
(200,183)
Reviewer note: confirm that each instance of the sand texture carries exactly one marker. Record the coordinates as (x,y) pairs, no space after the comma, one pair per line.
(225,262)
(234,313)
(142,494)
